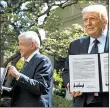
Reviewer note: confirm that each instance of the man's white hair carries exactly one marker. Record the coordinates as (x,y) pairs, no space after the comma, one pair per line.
(31,36)
(96,8)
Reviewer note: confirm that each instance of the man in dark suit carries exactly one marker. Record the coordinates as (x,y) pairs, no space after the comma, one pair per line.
(95,22)
(33,84)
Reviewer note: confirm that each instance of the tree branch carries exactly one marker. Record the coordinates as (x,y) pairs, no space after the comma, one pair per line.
(45,12)
(69,4)
(15,28)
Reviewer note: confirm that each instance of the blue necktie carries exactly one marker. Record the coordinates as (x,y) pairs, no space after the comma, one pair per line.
(94,49)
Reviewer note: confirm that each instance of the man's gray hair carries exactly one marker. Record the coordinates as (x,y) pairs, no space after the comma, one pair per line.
(96,8)
(31,36)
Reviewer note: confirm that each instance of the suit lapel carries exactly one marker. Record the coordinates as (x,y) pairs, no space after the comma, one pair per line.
(84,45)
(27,71)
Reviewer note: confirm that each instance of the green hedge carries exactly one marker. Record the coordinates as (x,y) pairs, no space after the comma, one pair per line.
(58,101)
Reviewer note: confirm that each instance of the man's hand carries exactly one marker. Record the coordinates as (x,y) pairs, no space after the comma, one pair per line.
(13,72)
(74,94)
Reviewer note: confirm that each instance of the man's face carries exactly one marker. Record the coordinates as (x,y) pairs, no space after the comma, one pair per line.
(25,47)
(93,24)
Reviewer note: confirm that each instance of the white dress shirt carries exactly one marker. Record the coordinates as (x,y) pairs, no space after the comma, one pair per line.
(101,44)
(29,58)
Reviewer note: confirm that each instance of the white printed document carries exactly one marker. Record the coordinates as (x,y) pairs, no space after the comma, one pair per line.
(89,72)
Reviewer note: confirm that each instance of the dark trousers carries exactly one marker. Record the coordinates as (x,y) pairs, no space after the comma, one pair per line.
(98,102)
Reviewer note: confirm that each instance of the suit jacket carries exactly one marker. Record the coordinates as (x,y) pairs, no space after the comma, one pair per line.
(79,46)
(33,89)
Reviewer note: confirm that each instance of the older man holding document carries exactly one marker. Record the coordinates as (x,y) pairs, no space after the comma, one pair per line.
(95,22)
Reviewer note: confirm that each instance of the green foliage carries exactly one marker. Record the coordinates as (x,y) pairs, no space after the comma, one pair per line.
(15,19)
(7,35)
(57,42)
(57,84)
(57,78)
(19,64)
(104,2)
(53,22)
(58,101)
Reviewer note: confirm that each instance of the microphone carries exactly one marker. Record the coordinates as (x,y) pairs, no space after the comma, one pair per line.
(13,59)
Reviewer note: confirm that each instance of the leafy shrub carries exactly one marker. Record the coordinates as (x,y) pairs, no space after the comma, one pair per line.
(57,79)
(19,64)
(57,42)
(58,101)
